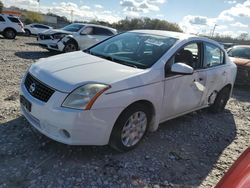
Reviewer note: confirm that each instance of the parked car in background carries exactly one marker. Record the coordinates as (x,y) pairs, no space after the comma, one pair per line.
(238,176)
(10,26)
(114,92)
(34,29)
(240,55)
(74,37)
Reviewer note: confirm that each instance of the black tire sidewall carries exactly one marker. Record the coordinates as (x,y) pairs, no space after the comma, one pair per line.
(224,95)
(115,138)
(27,32)
(9,30)
(68,43)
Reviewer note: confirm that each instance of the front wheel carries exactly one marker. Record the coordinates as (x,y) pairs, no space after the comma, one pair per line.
(70,47)
(220,100)
(130,128)
(27,32)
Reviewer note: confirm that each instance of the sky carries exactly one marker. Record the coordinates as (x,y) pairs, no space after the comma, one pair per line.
(229,17)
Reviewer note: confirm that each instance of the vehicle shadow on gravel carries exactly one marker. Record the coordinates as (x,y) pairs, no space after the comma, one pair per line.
(34,54)
(242,93)
(181,153)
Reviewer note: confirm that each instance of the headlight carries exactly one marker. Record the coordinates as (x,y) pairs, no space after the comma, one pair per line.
(84,96)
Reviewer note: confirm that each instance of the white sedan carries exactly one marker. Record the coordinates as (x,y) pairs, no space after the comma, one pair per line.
(116,91)
(73,37)
(34,29)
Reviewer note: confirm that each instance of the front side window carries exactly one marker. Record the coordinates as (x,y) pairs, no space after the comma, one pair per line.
(73,27)
(2,19)
(134,49)
(189,54)
(213,56)
(240,52)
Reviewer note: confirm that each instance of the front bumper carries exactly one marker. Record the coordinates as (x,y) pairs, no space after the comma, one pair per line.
(69,126)
(51,45)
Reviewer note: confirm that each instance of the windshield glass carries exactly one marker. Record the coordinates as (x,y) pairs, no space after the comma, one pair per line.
(240,52)
(73,27)
(134,49)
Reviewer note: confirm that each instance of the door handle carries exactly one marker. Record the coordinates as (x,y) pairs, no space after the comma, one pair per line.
(199,79)
(224,73)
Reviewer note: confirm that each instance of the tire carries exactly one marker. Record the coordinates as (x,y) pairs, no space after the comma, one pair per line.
(220,100)
(121,138)
(70,46)
(27,32)
(9,33)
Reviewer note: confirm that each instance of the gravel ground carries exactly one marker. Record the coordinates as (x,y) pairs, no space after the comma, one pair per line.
(192,151)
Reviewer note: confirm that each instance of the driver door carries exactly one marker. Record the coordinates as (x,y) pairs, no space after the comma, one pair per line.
(86,38)
(184,93)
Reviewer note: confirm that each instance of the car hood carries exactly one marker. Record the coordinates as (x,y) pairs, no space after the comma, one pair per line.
(68,71)
(53,31)
(241,62)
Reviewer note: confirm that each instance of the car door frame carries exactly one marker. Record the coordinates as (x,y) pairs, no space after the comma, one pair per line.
(164,108)
(212,82)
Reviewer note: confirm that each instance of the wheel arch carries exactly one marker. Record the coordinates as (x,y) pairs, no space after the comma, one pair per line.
(149,105)
(10,28)
(72,39)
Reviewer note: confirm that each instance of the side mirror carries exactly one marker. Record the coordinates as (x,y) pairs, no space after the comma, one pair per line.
(182,68)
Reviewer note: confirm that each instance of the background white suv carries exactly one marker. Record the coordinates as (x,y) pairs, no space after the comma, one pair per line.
(76,36)
(10,26)
(34,29)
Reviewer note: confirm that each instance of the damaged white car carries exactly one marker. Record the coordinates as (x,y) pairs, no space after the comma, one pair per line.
(112,93)
(76,36)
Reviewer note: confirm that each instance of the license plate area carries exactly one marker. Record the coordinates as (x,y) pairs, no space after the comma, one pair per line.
(25,103)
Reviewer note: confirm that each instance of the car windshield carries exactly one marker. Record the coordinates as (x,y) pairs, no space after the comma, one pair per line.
(138,50)
(73,27)
(240,52)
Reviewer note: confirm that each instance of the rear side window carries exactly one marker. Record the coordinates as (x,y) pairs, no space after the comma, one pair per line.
(102,31)
(41,26)
(213,56)
(2,19)
(15,20)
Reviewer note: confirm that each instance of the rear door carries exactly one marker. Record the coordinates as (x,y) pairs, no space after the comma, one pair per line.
(216,68)
(184,93)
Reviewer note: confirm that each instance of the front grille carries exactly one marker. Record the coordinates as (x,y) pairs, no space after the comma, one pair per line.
(37,89)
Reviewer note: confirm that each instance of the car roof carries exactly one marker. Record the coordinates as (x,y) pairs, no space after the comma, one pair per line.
(177,35)
(9,15)
(172,34)
(241,46)
(38,24)
(95,25)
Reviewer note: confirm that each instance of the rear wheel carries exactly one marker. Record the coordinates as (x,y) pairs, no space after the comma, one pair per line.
(9,33)
(130,128)
(220,100)
(70,47)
